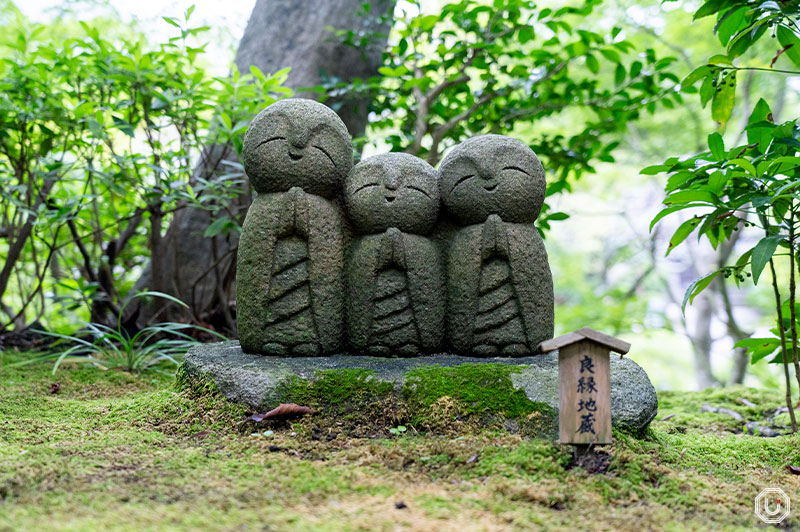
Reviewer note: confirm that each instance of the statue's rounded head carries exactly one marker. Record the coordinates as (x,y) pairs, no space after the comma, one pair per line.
(297,143)
(492,174)
(392,190)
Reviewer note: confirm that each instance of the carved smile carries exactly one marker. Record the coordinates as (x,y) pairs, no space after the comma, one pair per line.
(295,156)
(491,187)
(389,198)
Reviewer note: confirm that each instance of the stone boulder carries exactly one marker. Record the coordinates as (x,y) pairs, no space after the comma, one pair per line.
(261,381)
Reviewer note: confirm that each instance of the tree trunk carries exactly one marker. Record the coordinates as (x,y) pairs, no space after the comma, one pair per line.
(702,341)
(280,33)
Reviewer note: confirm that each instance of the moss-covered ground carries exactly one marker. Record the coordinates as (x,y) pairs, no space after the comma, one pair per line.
(90,450)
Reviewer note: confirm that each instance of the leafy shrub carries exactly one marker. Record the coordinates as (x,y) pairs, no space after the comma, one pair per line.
(98,140)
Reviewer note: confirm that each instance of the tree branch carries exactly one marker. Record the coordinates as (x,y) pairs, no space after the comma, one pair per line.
(441,130)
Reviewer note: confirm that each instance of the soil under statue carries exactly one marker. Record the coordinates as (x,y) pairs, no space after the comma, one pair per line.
(313,281)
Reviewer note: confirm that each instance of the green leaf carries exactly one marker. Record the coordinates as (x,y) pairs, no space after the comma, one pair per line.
(707,90)
(123,126)
(717,146)
(745,38)
(759,347)
(636,69)
(742,261)
(746,165)
(695,75)
(730,23)
(226,120)
(655,169)
(709,8)
(592,63)
(762,252)
(83,109)
(172,21)
(687,196)
(760,200)
(678,180)
(788,38)
(402,46)
(784,188)
(619,75)
(684,230)
(148,293)
(717,182)
(696,287)
(219,226)
(759,125)
(611,54)
(525,34)
(427,22)
(670,210)
(257,73)
(722,103)
(719,59)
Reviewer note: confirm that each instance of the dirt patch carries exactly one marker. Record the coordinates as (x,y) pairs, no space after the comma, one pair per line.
(593,460)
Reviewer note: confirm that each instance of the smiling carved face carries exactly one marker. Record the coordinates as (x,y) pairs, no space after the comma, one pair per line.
(297,143)
(492,174)
(392,190)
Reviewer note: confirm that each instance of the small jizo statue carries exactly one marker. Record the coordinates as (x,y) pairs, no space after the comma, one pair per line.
(394,278)
(289,285)
(499,286)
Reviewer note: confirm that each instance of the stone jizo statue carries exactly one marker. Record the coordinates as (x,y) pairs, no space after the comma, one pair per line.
(394,278)
(499,286)
(299,290)
(289,284)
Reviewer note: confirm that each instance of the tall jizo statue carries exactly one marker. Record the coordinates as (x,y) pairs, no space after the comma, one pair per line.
(499,286)
(394,278)
(290,289)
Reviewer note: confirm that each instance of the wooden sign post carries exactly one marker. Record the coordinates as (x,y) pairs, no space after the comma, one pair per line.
(584,384)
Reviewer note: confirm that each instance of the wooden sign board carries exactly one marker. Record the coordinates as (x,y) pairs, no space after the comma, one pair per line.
(585,393)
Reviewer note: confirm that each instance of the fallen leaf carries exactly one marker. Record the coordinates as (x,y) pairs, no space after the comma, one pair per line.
(745,402)
(54,388)
(472,458)
(667,417)
(201,435)
(793,469)
(284,411)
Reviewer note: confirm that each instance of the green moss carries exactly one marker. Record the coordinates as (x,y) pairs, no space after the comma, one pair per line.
(193,385)
(334,389)
(687,408)
(111,451)
(478,389)
(534,459)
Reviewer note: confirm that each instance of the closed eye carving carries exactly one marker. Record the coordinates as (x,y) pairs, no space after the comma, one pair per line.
(362,187)
(270,140)
(461,180)
(418,189)
(328,155)
(517,168)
